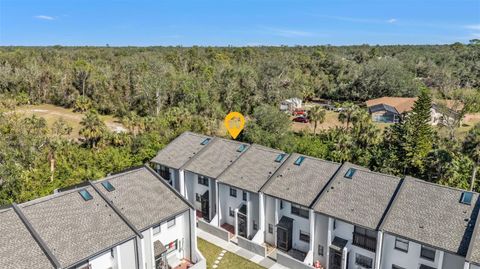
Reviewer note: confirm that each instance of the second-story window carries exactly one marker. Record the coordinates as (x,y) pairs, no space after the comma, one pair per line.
(233,192)
(365,238)
(299,211)
(164,172)
(244,194)
(305,237)
(203,180)
(401,245)
(171,223)
(427,253)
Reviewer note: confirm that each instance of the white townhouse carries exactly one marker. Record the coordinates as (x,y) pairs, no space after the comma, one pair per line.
(169,161)
(240,207)
(289,196)
(202,171)
(473,254)
(349,214)
(130,220)
(429,226)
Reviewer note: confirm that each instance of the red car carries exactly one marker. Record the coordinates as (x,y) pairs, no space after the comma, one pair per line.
(299,112)
(301,119)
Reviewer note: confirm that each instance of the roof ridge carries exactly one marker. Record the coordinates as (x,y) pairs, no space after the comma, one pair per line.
(178,138)
(275,174)
(392,203)
(326,187)
(230,165)
(46,250)
(212,141)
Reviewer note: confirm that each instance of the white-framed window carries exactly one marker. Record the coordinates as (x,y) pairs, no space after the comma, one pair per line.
(270,228)
(203,180)
(364,261)
(427,253)
(156,229)
(233,192)
(304,236)
(320,250)
(401,244)
(171,223)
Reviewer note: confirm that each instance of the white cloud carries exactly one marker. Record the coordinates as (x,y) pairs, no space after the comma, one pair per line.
(44,17)
(392,20)
(288,32)
(473,26)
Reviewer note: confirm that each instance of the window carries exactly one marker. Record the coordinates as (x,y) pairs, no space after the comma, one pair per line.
(396,267)
(241,148)
(296,210)
(466,198)
(281,204)
(334,224)
(203,180)
(85,195)
(349,174)
(197,197)
(108,186)
(427,253)
(206,141)
(171,223)
(233,192)
(244,194)
(280,157)
(156,229)
(305,237)
(363,261)
(255,226)
(401,245)
(164,172)
(270,228)
(320,250)
(299,160)
(231,212)
(365,238)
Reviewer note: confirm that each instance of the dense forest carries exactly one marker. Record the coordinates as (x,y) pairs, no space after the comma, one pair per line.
(159,92)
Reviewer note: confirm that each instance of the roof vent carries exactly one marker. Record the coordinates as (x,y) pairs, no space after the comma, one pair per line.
(299,160)
(108,186)
(206,141)
(85,195)
(280,157)
(466,198)
(350,172)
(241,148)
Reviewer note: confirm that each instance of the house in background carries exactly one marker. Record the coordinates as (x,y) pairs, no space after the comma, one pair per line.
(289,195)
(429,226)
(240,206)
(391,109)
(348,216)
(202,171)
(169,161)
(110,223)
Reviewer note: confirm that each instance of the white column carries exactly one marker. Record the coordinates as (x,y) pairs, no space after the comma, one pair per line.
(236,221)
(193,235)
(261,213)
(181,183)
(118,258)
(312,233)
(466,266)
(378,253)
(329,239)
(277,206)
(249,213)
(440,259)
(217,202)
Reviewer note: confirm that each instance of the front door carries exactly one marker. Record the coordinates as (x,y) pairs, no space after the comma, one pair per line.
(205,206)
(283,239)
(335,259)
(242,225)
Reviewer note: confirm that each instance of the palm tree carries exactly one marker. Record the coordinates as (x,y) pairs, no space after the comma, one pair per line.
(471,147)
(317,115)
(348,110)
(93,128)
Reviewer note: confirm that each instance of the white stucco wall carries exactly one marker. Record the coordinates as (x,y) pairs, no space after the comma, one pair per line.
(269,204)
(321,238)
(102,261)
(473,266)
(127,256)
(407,260)
(192,186)
(453,261)
(299,224)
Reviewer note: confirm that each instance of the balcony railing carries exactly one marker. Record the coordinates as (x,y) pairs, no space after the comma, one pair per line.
(363,241)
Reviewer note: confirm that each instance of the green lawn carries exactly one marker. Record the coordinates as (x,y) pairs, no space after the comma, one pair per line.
(230,260)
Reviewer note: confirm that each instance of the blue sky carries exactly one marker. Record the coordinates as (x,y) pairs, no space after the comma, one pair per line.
(237,22)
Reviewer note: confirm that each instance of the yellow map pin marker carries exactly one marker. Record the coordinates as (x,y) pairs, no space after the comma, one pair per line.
(234,122)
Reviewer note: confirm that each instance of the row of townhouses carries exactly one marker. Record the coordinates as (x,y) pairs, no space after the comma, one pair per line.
(133,219)
(310,213)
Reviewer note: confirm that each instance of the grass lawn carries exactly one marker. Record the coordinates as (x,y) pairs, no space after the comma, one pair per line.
(230,260)
(53,113)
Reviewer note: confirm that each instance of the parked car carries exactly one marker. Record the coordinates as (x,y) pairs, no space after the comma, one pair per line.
(301,119)
(299,112)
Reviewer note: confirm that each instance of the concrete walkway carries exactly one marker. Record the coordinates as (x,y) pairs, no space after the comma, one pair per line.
(231,247)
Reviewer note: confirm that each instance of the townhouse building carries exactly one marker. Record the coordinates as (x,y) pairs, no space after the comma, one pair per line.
(349,214)
(289,196)
(429,226)
(129,220)
(201,175)
(473,254)
(169,161)
(241,204)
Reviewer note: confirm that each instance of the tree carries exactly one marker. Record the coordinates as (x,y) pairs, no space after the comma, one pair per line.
(317,115)
(93,128)
(471,147)
(347,110)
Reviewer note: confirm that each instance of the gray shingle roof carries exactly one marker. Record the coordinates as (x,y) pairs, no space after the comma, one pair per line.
(180,150)
(433,215)
(142,197)
(474,250)
(18,249)
(362,200)
(300,184)
(252,170)
(212,161)
(74,229)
